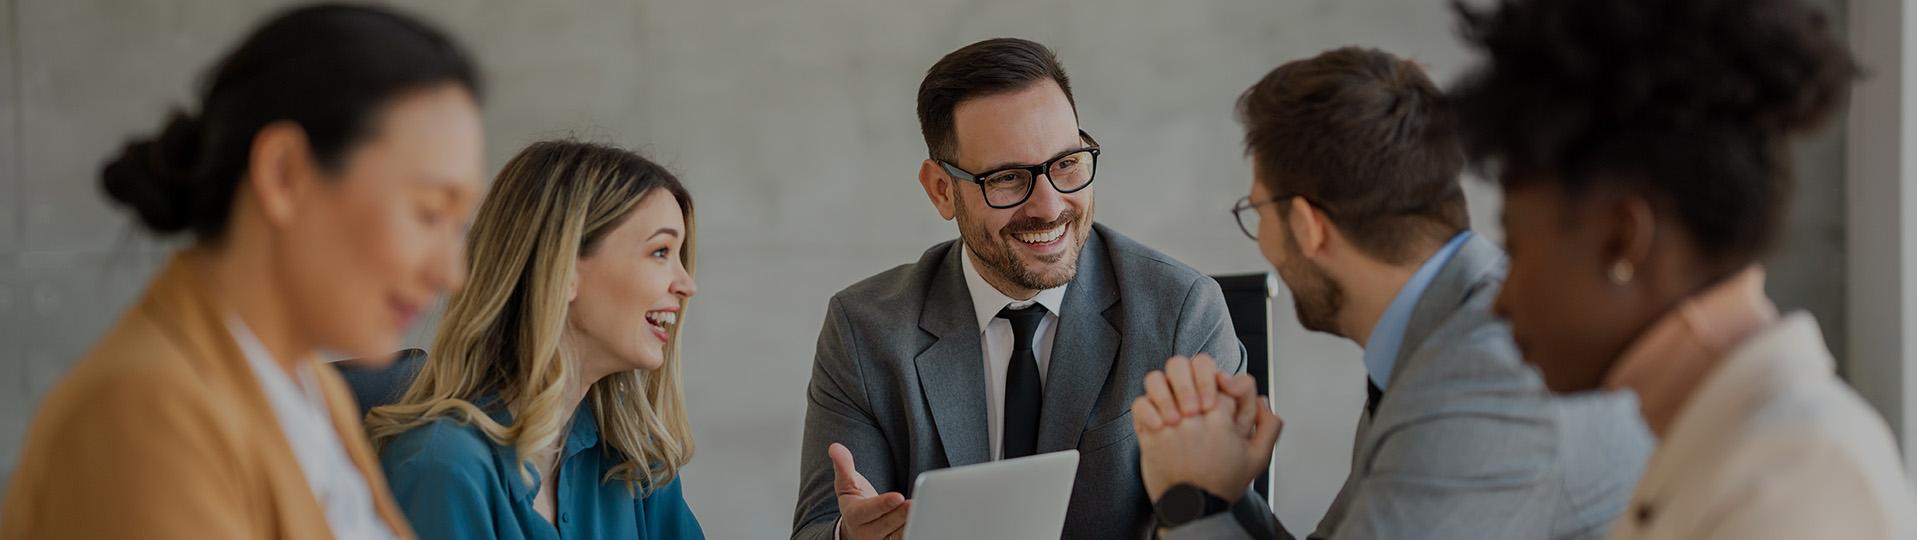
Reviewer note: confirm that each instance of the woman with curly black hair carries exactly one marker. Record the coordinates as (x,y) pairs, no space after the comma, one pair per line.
(1642,148)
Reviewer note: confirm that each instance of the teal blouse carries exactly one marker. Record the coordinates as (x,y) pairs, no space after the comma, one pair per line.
(453,482)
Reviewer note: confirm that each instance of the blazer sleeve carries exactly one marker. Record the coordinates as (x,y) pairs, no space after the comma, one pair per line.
(668,517)
(1461,475)
(443,490)
(1204,326)
(138,456)
(837,410)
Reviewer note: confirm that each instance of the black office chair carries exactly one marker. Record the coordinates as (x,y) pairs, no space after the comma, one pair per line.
(1248,297)
(373,387)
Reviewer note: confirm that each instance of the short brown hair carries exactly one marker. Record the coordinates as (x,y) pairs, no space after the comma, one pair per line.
(1366,137)
(990,67)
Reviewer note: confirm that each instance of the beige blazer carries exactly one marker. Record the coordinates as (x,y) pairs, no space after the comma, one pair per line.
(163,432)
(1774,445)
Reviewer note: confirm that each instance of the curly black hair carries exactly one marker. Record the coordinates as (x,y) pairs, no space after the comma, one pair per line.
(1692,101)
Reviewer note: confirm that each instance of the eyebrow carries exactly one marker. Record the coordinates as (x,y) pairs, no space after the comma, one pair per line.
(663,230)
(1060,154)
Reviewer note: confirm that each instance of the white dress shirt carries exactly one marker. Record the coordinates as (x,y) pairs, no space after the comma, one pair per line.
(996,339)
(337,483)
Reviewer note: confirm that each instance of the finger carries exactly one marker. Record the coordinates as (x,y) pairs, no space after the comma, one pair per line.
(1242,388)
(1145,417)
(1265,437)
(1227,409)
(1248,404)
(1178,373)
(1245,420)
(864,512)
(899,533)
(892,520)
(846,477)
(1204,371)
(1160,394)
(1242,385)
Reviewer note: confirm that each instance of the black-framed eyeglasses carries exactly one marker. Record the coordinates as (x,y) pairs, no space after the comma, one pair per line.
(1244,211)
(1007,187)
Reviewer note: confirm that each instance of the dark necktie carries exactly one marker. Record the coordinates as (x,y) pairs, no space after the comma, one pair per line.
(1372,395)
(1022,393)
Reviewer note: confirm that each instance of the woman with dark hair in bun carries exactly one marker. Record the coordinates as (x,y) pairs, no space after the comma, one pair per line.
(326,179)
(1642,146)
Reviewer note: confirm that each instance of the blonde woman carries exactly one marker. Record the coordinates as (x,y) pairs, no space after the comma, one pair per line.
(550,404)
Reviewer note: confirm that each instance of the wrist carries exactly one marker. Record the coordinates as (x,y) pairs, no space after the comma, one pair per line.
(1184,503)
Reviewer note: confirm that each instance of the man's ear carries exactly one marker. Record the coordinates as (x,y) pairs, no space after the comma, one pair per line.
(280,170)
(1308,227)
(938,188)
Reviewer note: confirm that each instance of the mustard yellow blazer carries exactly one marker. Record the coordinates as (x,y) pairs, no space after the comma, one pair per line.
(164,432)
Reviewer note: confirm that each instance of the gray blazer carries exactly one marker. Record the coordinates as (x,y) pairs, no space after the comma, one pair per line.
(899,377)
(1467,443)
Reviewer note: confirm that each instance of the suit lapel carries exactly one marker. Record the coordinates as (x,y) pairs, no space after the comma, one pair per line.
(1456,282)
(952,370)
(1083,351)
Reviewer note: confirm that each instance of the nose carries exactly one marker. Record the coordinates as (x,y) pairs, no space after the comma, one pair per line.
(682,284)
(1046,202)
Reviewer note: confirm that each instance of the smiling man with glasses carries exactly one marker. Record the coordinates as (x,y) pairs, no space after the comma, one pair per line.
(1355,201)
(1031,333)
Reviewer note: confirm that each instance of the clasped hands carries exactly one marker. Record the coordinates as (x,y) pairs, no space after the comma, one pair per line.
(1196,425)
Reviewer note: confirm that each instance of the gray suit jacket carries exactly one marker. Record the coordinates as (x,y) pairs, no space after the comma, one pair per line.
(899,377)
(1467,443)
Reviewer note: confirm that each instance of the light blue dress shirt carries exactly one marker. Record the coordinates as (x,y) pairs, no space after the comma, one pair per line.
(1381,350)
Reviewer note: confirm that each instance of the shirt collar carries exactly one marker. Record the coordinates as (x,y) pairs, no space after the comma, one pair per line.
(583,434)
(1387,335)
(1668,362)
(297,387)
(987,300)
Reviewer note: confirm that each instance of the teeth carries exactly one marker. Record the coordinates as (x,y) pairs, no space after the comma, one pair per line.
(1041,236)
(662,318)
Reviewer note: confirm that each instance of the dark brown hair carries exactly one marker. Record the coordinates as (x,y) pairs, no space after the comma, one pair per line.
(329,68)
(1366,137)
(990,67)
(1691,101)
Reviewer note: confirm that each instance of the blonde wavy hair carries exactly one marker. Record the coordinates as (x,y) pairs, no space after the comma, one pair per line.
(503,334)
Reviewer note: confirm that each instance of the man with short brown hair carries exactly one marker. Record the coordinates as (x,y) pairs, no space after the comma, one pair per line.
(1355,201)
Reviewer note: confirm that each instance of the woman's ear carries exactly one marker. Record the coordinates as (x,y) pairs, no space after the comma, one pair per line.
(1630,227)
(572,283)
(279,170)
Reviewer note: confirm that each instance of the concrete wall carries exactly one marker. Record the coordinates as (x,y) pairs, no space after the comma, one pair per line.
(793,124)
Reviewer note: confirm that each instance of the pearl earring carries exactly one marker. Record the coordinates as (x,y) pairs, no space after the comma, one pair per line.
(1622,272)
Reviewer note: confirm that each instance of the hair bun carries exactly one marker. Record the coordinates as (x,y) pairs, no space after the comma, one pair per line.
(156,177)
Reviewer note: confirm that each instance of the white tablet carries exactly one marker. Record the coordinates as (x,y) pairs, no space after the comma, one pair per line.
(1011,499)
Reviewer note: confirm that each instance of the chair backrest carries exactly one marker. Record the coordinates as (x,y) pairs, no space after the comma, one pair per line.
(1248,298)
(373,387)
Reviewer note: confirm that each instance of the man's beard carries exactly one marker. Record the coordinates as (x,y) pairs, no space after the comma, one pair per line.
(995,252)
(1317,298)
